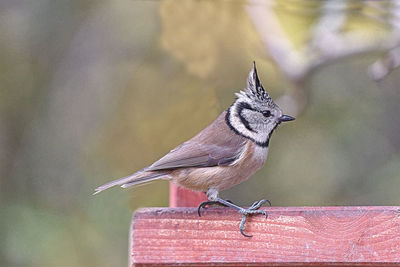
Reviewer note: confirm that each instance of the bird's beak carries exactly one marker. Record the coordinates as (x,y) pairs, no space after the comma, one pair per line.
(286,118)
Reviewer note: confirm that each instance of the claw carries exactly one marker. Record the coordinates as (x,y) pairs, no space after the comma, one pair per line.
(199,209)
(242,232)
(241,226)
(204,204)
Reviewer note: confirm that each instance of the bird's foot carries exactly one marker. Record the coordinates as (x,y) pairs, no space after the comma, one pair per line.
(253,209)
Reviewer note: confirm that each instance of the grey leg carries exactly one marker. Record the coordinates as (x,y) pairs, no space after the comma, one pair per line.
(253,209)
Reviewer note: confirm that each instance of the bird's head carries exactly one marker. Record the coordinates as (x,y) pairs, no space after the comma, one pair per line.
(254,114)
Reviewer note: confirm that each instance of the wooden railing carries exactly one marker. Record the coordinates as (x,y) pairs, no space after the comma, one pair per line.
(301,236)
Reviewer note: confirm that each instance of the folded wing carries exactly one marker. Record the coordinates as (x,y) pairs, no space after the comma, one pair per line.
(193,154)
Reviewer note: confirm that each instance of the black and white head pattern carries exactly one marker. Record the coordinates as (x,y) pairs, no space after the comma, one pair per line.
(254,115)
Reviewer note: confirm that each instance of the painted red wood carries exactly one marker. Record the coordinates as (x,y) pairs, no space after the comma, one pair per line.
(181,197)
(290,236)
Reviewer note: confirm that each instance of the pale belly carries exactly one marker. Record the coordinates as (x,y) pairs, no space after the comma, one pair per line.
(222,177)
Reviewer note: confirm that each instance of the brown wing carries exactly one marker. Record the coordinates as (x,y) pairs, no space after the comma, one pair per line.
(215,145)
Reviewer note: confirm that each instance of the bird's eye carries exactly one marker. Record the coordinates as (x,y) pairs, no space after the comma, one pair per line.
(266,113)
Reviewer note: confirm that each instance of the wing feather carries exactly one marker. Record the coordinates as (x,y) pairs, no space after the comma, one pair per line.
(196,155)
(215,145)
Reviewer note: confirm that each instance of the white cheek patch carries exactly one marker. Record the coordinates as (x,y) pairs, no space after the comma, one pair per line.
(257,135)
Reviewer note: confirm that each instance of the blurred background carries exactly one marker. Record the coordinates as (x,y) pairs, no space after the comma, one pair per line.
(94,90)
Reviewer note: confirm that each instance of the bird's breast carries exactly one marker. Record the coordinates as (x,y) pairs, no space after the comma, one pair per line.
(252,158)
(259,153)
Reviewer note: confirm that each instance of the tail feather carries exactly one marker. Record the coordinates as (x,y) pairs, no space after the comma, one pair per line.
(142,180)
(134,179)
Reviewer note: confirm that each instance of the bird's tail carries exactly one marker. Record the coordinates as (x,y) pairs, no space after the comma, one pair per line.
(134,179)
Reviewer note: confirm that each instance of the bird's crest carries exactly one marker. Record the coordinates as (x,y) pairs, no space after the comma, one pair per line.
(254,90)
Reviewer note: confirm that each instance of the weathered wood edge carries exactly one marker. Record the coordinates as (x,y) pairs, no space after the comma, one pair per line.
(156,211)
(285,209)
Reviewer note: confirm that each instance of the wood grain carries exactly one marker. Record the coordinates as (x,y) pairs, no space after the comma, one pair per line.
(290,236)
(182,197)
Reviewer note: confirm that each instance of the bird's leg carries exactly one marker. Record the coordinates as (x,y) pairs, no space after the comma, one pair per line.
(212,195)
(253,209)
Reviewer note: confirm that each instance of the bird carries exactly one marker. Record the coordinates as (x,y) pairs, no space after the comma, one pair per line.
(224,154)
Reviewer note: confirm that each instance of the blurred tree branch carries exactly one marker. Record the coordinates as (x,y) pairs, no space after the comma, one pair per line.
(391,60)
(334,35)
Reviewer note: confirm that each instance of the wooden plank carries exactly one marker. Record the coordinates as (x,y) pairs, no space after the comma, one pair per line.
(290,236)
(182,197)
